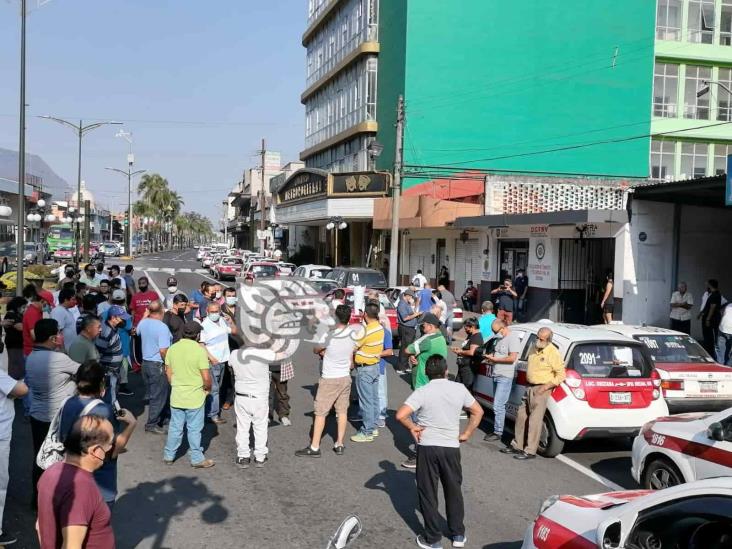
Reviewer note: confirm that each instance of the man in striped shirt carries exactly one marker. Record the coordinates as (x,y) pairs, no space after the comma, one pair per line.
(109,345)
(368,354)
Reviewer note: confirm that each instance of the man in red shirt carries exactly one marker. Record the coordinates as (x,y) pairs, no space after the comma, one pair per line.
(45,294)
(71,510)
(33,313)
(138,308)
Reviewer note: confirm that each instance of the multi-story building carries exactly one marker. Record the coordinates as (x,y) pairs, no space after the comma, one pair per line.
(692,89)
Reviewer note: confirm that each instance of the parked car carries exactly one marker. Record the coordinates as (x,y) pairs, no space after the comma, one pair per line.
(63,253)
(611,389)
(357,316)
(695,516)
(691,380)
(260,269)
(312,271)
(110,249)
(228,267)
(322,285)
(457,313)
(202,252)
(286,269)
(683,448)
(358,276)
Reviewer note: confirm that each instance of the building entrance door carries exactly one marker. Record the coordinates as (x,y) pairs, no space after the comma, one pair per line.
(582,267)
(514,257)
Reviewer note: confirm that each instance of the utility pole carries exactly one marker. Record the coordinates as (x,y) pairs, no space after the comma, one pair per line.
(396,191)
(20,249)
(262,200)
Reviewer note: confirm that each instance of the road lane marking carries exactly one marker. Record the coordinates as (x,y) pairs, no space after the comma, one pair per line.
(155,287)
(590,473)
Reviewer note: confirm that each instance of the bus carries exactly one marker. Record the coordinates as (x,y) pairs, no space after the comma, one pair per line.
(59,236)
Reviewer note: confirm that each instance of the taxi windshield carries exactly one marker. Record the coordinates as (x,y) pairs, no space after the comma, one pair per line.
(609,360)
(667,348)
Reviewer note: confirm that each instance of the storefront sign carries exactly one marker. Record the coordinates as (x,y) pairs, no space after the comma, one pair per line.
(308,185)
(359,184)
(539,230)
(540,268)
(303,186)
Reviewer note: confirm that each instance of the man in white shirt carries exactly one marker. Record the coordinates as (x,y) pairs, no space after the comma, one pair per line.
(334,386)
(681,304)
(724,346)
(63,314)
(215,336)
(10,389)
(419,279)
(114,272)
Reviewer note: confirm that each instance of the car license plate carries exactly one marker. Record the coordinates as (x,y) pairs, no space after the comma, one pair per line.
(620,398)
(707,386)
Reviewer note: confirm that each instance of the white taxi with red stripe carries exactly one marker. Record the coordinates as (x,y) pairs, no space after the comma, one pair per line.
(611,388)
(684,447)
(694,516)
(691,380)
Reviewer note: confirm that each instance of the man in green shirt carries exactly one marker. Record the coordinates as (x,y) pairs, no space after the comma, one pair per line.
(431,343)
(187,368)
(83,347)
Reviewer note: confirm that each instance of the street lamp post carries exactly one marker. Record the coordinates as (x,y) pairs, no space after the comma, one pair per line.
(129,174)
(21,157)
(336,224)
(81,130)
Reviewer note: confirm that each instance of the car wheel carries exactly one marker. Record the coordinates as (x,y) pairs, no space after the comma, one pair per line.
(660,474)
(550,445)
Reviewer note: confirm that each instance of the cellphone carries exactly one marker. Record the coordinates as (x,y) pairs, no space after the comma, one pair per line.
(118,409)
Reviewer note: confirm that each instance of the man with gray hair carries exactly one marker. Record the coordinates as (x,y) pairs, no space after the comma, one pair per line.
(503,368)
(545,371)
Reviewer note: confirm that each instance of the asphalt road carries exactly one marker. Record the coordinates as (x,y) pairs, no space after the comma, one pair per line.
(298,502)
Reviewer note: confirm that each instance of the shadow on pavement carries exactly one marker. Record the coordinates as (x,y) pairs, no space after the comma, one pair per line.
(616,469)
(504,545)
(400,485)
(145,512)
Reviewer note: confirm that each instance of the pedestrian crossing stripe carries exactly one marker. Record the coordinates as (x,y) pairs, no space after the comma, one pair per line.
(171,271)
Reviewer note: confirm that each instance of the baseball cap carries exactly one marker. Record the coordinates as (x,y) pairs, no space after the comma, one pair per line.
(116,310)
(409,291)
(119,295)
(191,329)
(429,318)
(172,281)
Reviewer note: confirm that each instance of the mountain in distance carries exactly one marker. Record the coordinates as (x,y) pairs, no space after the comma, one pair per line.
(34,166)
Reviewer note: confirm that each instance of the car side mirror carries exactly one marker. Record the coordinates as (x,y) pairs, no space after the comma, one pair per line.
(609,535)
(715,432)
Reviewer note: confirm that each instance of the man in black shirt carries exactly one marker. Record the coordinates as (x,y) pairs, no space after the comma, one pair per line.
(506,295)
(175,318)
(469,355)
(710,317)
(521,285)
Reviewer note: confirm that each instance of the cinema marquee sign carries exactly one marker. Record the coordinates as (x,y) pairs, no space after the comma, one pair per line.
(308,185)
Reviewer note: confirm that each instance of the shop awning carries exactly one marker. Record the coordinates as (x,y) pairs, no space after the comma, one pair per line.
(704,191)
(565,217)
(420,212)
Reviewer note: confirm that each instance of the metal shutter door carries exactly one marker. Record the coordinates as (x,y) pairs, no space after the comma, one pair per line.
(419,249)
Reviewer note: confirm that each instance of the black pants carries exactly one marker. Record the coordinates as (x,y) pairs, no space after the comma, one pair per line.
(468,304)
(681,325)
(439,464)
(226,391)
(39,430)
(407,335)
(279,400)
(465,376)
(710,335)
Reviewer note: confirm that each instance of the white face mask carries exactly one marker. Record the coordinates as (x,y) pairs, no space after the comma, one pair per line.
(231,300)
(218,295)
(214,317)
(172,289)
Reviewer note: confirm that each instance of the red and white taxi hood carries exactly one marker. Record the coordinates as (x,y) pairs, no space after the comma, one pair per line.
(683,418)
(604,500)
(724,372)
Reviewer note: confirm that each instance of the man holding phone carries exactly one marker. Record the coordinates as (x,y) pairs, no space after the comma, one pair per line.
(506,296)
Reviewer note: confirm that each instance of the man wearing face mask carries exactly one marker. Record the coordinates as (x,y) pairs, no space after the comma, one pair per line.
(65,318)
(138,308)
(228,308)
(109,345)
(68,277)
(215,337)
(102,295)
(175,316)
(545,371)
(172,284)
(90,386)
(90,278)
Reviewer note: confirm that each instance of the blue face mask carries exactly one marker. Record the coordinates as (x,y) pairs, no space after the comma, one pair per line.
(214,317)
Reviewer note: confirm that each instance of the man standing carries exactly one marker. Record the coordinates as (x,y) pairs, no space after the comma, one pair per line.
(681,304)
(84,348)
(334,386)
(450,302)
(419,279)
(437,407)
(424,298)
(109,345)
(33,313)
(156,340)
(521,285)
(407,327)
(10,389)
(506,296)
(544,372)
(368,354)
(215,336)
(90,278)
(503,367)
(65,318)
(174,317)
(469,356)
(710,317)
(71,510)
(431,343)
(485,322)
(138,308)
(114,272)
(187,370)
(129,279)
(469,297)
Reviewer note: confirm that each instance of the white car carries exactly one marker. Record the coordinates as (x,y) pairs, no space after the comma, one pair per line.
(682,448)
(611,388)
(690,516)
(312,271)
(202,252)
(691,380)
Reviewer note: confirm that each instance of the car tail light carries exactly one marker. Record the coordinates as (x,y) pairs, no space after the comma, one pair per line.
(656,378)
(574,382)
(672,385)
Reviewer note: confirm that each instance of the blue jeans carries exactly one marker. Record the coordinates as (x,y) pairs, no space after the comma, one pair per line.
(111,381)
(158,390)
(367,383)
(383,403)
(212,400)
(192,420)
(501,393)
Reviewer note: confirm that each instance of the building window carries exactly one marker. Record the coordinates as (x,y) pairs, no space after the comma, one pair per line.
(724,100)
(701,21)
(694,160)
(720,158)
(695,106)
(665,89)
(668,20)
(662,159)
(725,24)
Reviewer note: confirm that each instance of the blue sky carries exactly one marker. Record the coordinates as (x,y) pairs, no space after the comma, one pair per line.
(198,83)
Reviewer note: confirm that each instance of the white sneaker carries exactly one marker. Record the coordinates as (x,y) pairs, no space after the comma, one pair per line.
(285,421)
(459,541)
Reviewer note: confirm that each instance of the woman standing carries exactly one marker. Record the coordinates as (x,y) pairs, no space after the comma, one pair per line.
(13,324)
(444,277)
(608,300)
